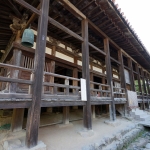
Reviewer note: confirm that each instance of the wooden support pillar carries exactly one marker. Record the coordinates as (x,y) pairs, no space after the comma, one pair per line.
(109,79)
(123,80)
(144,86)
(52,68)
(51,78)
(75,83)
(139,85)
(87,120)
(66,115)
(18,113)
(34,111)
(92,86)
(93,111)
(147,81)
(131,74)
(143,79)
(66,108)
(148,89)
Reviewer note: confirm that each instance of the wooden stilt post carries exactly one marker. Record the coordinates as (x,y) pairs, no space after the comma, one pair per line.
(123,80)
(66,108)
(148,90)
(140,86)
(34,111)
(92,86)
(86,75)
(51,78)
(66,115)
(109,79)
(18,113)
(131,74)
(144,86)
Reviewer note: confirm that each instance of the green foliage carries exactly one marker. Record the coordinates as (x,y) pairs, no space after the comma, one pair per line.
(5,127)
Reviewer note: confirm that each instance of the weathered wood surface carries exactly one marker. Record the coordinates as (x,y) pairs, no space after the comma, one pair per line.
(86,75)
(34,110)
(109,78)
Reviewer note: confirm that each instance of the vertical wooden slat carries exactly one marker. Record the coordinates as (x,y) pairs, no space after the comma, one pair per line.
(34,110)
(86,75)
(109,79)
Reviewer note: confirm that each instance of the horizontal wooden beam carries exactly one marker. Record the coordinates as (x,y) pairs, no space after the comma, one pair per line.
(14,104)
(28,6)
(65,29)
(115,60)
(15,67)
(69,6)
(5,79)
(15,96)
(97,49)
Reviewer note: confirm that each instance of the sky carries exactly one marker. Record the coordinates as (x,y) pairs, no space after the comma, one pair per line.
(138,14)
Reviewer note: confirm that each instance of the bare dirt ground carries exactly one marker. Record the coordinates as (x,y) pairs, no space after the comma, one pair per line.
(68,138)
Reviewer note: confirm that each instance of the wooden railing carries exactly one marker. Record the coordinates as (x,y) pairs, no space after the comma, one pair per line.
(119,92)
(100,92)
(13,80)
(64,90)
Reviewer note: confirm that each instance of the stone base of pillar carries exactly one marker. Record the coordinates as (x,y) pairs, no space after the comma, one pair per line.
(86,133)
(112,123)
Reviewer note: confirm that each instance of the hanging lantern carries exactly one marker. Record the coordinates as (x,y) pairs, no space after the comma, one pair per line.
(28,38)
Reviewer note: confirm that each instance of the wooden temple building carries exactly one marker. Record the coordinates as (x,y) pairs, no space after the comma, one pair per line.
(85,54)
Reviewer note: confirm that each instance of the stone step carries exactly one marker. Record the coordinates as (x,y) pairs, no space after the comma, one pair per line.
(138,111)
(133,110)
(146,118)
(141,116)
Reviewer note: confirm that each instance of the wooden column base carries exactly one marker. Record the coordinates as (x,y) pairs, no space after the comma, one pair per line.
(17,119)
(66,115)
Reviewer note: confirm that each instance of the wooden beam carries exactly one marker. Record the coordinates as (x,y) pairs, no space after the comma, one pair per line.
(28,6)
(139,85)
(123,80)
(65,29)
(147,84)
(12,6)
(69,6)
(131,74)
(97,49)
(34,110)
(109,78)
(143,79)
(86,75)
(14,104)
(18,114)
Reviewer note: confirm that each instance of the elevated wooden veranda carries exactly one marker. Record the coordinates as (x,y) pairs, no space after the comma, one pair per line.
(99,37)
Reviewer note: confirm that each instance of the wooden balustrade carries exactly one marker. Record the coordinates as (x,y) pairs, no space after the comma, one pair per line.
(119,92)
(61,91)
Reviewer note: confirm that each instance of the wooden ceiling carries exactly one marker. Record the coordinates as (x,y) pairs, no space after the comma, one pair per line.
(103,13)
